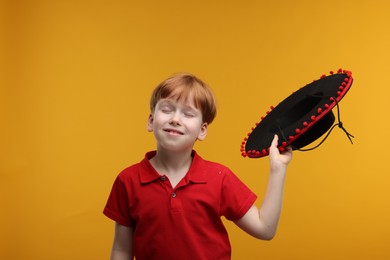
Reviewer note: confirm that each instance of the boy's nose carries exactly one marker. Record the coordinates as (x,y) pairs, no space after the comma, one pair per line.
(175,120)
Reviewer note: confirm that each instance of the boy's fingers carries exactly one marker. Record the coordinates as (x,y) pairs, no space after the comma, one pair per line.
(275,140)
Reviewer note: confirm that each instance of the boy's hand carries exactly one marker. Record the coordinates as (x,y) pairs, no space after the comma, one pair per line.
(278,159)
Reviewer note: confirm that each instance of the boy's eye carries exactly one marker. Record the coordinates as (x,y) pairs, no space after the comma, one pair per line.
(166,109)
(189,114)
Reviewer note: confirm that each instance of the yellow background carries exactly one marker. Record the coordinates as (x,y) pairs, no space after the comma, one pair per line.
(75,83)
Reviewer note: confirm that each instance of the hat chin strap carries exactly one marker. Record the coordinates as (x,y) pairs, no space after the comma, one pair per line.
(339,124)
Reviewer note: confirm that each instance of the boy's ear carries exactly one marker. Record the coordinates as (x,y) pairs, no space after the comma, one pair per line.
(150,123)
(203,132)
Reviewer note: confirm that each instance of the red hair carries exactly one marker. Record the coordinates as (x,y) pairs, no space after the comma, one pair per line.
(182,86)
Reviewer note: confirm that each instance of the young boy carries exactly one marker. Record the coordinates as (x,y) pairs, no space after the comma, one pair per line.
(169,205)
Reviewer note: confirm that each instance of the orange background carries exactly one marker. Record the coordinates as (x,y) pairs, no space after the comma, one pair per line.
(75,83)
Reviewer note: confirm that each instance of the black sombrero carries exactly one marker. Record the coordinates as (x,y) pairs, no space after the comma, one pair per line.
(301,118)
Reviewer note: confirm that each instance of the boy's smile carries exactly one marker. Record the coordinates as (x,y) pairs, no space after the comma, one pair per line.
(173,131)
(177,124)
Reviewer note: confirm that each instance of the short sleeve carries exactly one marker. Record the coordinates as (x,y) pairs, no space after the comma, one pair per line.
(236,197)
(117,207)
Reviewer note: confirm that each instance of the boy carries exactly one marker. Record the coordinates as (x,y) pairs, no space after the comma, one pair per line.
(169,206)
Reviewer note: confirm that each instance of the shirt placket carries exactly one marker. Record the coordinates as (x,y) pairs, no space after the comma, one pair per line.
(173,193)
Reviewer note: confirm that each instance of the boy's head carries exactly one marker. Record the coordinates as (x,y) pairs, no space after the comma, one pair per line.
(181,87)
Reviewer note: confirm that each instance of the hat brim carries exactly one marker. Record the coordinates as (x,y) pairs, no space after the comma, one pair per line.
(301,118)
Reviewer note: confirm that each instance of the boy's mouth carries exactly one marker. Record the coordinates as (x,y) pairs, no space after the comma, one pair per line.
(173,131)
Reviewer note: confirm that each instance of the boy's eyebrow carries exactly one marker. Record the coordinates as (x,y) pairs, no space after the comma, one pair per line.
(191,107)
(166,102)
(170,101)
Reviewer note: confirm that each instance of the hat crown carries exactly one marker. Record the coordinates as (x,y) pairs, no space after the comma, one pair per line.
(296,112)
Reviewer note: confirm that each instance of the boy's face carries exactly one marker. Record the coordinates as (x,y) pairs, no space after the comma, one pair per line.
(177,124)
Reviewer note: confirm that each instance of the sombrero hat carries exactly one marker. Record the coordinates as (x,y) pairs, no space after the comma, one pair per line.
(301,118)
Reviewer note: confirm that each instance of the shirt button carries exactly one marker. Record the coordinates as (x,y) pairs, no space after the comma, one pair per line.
(173,195)
(163,178)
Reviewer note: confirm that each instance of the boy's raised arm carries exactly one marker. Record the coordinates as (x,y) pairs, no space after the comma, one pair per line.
(262,223)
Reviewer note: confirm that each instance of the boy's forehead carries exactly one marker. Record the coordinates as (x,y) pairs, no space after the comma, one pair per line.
(180,97)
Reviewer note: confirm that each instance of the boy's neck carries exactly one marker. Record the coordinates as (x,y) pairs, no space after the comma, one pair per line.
(173,165)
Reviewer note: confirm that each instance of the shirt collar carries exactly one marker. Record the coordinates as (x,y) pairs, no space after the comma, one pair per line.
(196,173)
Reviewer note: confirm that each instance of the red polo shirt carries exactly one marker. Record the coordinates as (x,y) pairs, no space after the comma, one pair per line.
(180,223)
